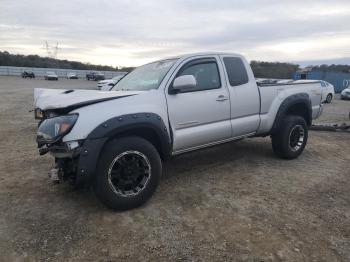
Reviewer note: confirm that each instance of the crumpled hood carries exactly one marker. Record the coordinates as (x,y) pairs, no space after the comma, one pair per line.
(46,99)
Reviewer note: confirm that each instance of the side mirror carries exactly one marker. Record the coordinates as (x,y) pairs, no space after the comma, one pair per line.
(184,83)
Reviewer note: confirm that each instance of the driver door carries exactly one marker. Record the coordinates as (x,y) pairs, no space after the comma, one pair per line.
(200,117)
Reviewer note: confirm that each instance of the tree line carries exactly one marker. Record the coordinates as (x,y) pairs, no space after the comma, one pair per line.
(273,69)
(261,69)
(334,68)
(7,59)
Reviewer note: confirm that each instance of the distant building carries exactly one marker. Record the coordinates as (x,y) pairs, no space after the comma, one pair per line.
(339,80)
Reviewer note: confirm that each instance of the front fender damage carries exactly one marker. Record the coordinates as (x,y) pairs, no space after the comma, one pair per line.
(81,168)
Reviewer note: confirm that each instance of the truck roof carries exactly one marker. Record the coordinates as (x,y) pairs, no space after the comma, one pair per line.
(184,56)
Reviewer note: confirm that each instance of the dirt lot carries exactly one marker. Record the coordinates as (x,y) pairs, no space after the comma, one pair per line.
(233,202)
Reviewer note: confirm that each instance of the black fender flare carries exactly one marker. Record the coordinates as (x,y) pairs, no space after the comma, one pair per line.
(97,138)
(300,98)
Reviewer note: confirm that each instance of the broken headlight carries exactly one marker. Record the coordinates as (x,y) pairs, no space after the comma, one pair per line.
(53,129)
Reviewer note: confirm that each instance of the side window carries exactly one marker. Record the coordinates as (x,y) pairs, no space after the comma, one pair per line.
(237,74)
(206,74)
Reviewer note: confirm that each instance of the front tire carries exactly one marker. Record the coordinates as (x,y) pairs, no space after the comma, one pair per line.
(289,142)
(128,173)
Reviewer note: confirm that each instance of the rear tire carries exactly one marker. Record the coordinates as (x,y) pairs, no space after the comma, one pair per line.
(290,141)
(128,173)
(329,98)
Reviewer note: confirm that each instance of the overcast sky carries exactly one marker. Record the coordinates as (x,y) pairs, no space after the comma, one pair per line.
(129,33)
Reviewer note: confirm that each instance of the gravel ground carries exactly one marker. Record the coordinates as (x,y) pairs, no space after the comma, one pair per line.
(234,202)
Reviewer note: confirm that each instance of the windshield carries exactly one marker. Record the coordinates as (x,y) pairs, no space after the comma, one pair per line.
(145,77)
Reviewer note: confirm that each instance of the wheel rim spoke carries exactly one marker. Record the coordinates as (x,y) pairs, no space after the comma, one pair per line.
(129,173)
(296,138)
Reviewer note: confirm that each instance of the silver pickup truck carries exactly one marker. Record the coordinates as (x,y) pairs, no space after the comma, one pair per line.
(115,141)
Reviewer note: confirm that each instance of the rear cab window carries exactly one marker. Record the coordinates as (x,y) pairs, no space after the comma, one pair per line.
(236,71)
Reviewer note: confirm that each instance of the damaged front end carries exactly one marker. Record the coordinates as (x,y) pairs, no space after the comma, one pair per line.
(74,160)
(49,139)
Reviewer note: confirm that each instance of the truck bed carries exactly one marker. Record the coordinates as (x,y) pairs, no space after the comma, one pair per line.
(272,94)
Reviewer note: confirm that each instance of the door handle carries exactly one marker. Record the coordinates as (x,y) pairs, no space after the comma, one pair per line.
(221,98)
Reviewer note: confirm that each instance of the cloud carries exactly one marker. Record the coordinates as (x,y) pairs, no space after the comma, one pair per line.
(134,32)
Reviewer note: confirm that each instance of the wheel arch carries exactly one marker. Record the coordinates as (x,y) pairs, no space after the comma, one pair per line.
(297,104)
(146,131)
(149,126)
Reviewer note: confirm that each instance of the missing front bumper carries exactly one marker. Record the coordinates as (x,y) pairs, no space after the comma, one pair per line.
(77,162)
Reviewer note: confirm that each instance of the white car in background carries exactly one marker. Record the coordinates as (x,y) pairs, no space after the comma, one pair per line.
(345,94)
(50,75)
(106,85)
(327,91)
(72,76)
